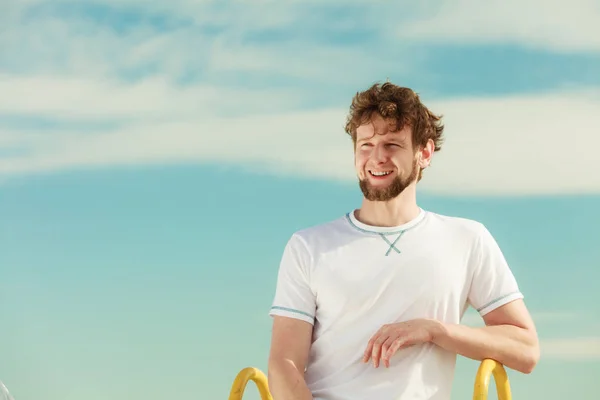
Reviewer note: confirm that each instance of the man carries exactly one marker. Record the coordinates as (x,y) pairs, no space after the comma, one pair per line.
(368,306)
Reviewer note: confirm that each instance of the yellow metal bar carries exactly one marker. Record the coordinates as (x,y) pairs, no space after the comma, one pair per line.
(241,380)
(487,369)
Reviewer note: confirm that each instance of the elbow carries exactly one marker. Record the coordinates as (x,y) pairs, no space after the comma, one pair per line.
(527,366)
(532,362)
(530,352)
(530,359)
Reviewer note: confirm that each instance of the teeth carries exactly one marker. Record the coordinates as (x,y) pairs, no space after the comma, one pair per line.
(380,173)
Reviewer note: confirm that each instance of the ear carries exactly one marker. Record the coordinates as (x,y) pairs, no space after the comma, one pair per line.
(425,154)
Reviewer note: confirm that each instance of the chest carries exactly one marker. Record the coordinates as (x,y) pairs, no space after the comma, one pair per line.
(378,272)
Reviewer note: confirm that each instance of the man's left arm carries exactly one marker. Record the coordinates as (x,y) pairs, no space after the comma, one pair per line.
(509,337)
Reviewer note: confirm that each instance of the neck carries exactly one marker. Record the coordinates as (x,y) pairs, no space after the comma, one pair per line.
(394,212)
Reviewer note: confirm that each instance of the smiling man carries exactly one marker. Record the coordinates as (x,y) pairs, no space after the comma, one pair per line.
(368,306)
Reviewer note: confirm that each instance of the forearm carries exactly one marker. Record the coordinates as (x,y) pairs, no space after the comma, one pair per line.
(514,347)
(286,381)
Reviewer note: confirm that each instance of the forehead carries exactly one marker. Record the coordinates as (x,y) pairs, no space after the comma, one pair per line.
(378,127)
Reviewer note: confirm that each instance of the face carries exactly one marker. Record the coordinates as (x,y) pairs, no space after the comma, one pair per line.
(386,162)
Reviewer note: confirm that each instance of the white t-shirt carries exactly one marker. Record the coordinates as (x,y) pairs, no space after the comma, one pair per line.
(348,279)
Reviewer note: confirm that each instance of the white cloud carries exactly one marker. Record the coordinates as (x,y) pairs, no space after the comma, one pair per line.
(148,100)
(519,144)
(286,142)
(70,69)
(201,40)
(554,24)
(582,348)
(508,145)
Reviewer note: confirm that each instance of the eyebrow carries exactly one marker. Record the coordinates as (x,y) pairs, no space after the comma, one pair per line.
(392,139)
(398,141)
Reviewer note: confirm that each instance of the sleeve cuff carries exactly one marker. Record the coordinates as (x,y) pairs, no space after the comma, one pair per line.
(499,302)
(292,313)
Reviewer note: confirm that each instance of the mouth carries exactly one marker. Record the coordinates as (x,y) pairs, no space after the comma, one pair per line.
(379,174)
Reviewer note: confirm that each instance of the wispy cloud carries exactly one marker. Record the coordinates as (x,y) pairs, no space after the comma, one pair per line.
(518,144)
(556,25)
(147,100)
(203,40)
(137,82)
(581,348)
(510,145)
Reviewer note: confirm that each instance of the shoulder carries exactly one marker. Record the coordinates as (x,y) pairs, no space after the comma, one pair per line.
(306,246)
(325,231)
(460,227)
(318,238)
(468,231)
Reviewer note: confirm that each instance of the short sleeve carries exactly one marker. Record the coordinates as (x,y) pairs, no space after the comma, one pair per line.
(493,284)
(294,296)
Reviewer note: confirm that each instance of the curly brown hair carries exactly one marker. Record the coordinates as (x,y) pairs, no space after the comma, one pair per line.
(399,104)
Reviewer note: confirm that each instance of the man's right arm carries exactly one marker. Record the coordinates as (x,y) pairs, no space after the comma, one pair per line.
(290,345)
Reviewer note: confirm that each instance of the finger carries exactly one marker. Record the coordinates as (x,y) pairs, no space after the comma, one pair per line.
(398,344)
(385,348)
(369,349)
(394,347)
(376,352)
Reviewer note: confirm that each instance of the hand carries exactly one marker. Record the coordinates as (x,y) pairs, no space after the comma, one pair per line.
(392,337)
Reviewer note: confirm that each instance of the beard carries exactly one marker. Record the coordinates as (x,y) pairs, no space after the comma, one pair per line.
(393,190)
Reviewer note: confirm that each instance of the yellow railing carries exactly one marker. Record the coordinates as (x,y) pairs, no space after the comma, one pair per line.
(487,369)
(241,380)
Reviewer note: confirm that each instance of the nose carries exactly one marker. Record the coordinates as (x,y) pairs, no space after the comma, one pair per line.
(379,153)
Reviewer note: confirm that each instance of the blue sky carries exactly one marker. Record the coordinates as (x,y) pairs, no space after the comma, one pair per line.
(155,157)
